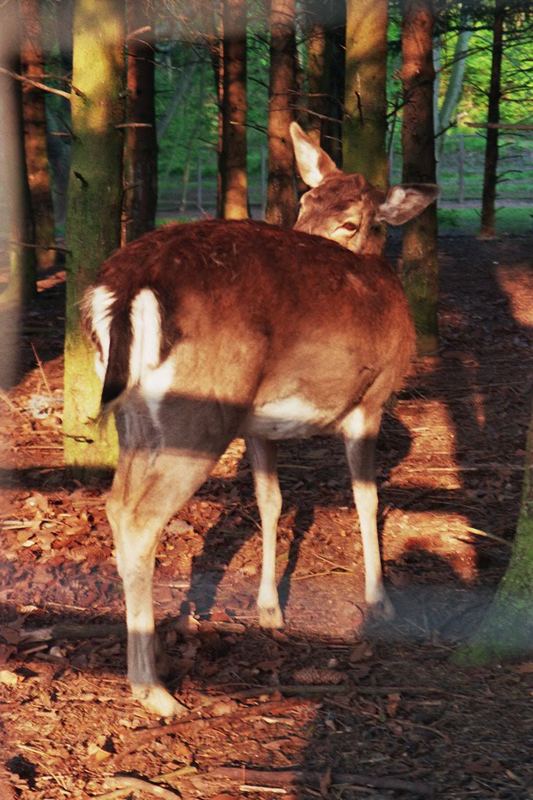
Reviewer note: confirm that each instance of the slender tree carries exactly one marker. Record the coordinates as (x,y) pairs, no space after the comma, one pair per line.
(334,79)
(419,250)
(18,228)
(317,98)
(140,142)
(507,630)
(35,131)
(234,181)
(490,177)
(365,123)
(445,114)
(57,24)
(93,216)
(281,193)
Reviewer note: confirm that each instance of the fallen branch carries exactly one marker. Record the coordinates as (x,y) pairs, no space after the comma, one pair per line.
(289,778)
(101,630)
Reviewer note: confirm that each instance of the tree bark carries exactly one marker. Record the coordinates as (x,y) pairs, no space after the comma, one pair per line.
(34,115)
(419,249)
(331,139)
(316,72)
(17,230)
(365,122)
(140,142)
(234,180)
(281,208)
(507,630)
(490,177)
(93,216)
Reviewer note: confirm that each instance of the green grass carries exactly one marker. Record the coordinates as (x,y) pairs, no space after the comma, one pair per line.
(510,221)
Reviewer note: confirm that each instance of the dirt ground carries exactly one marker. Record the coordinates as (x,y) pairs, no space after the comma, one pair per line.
(333,706)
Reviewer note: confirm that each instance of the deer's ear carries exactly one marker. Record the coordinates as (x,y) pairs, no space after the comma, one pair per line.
(313,163)
(405,201)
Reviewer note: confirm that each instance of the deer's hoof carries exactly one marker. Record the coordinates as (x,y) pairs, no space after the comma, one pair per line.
(381,608)
(271,617)
(157,700)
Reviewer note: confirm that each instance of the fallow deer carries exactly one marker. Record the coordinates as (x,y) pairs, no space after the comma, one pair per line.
(210,330)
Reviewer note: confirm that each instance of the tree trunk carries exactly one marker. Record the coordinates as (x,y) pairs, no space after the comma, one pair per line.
(507,630)
(490,178)
(281,208)
(34,115)
(93,216)
(419,250)
(212,20)
(335,76)
(58,20)
(454,87)
(365,122)
(317,97)
(17,231)
(140,143)
(234,180)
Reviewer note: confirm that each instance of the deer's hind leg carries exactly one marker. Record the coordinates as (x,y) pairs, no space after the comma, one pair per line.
(152,482)
(360,429)
(262,454)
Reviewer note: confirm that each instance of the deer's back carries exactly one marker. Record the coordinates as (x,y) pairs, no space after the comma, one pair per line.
(255,314)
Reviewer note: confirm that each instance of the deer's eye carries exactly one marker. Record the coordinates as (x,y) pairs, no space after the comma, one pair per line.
(350,226)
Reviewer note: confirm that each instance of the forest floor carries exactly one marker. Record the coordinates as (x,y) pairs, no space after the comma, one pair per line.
(333,706)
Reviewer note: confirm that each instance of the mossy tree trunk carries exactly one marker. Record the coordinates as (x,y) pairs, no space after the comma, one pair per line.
(93,215)
(34,115)
(365,95)
(282,204)
(507,630)
(233,177)
(140,142)
(490,174)
(419,249)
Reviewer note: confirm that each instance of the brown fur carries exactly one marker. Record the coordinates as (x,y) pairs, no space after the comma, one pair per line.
(265,332)
(289,296)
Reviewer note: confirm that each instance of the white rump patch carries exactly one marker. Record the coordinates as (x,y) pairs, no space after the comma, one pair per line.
(99,301)
(146,334)
(153,378)
(290,417)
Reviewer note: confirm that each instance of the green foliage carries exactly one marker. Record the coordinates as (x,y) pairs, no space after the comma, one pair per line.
(188,144)
(190,137)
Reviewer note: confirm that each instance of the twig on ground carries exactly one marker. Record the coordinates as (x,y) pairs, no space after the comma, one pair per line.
(146,735)
(41,370)
(488,535)
(129,783)
(9,403)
